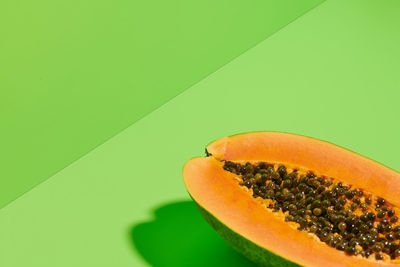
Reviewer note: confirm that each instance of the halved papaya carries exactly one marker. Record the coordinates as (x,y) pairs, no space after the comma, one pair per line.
(285,200)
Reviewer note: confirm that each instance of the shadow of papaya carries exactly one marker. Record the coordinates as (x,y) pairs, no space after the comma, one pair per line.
(178,236)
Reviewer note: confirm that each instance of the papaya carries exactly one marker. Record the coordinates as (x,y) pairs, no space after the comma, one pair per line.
(283,199)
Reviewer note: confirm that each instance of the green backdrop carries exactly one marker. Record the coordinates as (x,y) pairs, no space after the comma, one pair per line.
(75,73)
(331,74)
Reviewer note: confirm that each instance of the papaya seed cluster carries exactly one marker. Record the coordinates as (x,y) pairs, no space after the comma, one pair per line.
(343,217)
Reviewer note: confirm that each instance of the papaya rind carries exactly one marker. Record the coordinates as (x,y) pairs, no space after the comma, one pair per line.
(250,250)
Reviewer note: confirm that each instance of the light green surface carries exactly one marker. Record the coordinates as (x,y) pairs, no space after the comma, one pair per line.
(332,74)
(74,73)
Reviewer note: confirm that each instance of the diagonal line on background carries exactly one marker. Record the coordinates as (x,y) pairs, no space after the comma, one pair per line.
(171,98)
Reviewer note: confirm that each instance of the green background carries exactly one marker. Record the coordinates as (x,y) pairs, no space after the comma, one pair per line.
(331,74)
(75,73)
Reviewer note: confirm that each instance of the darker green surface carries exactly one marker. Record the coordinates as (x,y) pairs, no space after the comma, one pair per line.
(75,73)
(178,236)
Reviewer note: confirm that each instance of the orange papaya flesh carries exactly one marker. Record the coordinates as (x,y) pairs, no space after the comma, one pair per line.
(263,235)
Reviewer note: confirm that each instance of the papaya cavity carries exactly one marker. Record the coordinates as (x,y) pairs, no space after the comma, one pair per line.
(346,218)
